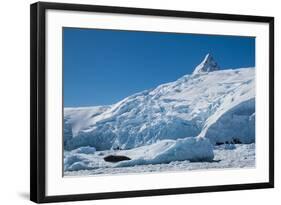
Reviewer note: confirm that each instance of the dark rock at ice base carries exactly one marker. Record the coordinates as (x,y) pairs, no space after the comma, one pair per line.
(116,158)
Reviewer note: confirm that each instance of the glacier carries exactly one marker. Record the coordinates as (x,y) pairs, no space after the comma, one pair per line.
(192,114)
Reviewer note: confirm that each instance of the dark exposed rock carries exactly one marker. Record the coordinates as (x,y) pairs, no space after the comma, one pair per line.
(115,158)
(236,141)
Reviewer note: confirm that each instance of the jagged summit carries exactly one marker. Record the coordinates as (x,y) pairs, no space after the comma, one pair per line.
(207,65)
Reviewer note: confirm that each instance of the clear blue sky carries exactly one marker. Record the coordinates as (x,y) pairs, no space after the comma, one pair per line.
(102,67)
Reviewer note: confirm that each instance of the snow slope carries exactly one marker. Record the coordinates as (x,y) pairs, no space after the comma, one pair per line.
(210,103)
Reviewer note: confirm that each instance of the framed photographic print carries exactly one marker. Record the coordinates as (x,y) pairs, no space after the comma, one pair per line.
(129,102)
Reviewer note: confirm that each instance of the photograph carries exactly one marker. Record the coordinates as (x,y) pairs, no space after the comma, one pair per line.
(134,102)
(139,102)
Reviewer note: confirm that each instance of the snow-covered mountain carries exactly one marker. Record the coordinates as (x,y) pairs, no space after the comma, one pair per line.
(213,104)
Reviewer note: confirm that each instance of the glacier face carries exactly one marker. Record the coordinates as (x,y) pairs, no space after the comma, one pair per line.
(218,105)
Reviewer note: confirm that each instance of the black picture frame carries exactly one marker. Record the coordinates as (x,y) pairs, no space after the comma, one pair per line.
(38,101)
